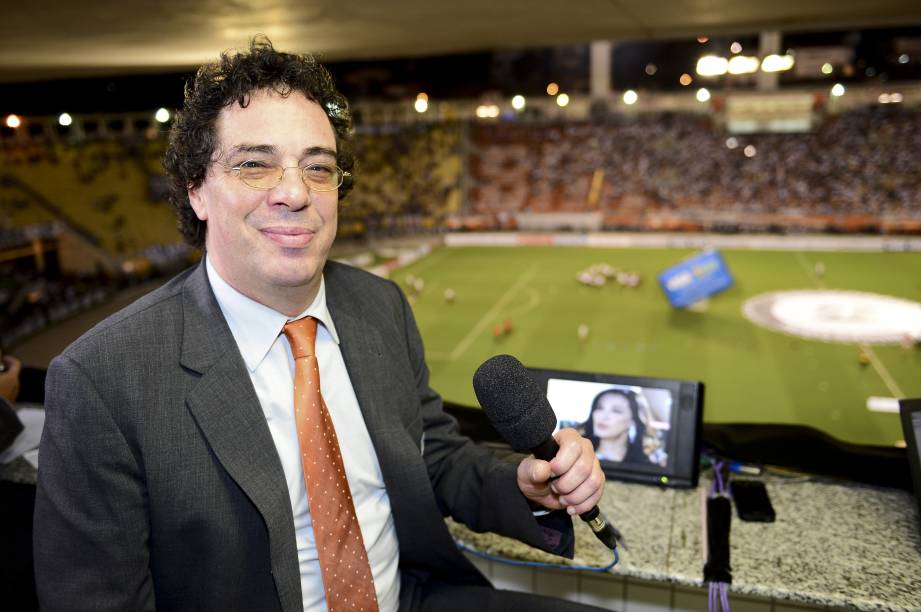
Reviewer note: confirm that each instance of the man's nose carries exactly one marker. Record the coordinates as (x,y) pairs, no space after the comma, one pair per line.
(292,191)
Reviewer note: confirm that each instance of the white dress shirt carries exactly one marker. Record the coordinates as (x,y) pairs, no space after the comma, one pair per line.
(257,330)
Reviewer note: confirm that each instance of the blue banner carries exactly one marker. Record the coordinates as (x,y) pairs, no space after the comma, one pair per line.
(695,278)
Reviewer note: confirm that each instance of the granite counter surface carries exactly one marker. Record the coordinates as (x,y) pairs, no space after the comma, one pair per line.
(836,544)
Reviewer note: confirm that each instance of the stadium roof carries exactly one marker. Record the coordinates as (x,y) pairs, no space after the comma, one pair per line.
(48,39)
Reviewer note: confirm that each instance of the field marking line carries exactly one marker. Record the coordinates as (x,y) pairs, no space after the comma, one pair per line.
(533,302)
(820,284)
(502,302)
(882,371)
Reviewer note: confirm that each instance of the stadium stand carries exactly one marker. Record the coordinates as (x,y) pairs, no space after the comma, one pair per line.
(855,172)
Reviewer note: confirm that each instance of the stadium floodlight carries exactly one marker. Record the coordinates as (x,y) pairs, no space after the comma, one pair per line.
(712,65)
(562,100)
(421,105)
(65,119)
(777,63)
(837,90)
(630,97)
(518,102)
(890,98)
(162,115)
(487,111)
(703,94)
(743,64)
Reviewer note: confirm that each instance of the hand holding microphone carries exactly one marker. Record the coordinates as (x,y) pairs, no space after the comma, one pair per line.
(564,472)
(572,479)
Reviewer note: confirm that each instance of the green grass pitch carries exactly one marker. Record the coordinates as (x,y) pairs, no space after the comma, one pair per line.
(751,374)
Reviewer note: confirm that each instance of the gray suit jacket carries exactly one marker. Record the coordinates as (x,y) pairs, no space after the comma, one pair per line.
(160,485)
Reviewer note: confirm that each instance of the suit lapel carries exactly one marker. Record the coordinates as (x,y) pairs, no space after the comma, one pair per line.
(226,408)
(365,355)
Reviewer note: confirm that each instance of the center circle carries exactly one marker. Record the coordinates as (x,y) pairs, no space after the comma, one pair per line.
(837,316)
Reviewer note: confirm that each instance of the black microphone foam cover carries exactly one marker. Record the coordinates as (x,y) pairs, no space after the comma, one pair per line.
(514,402)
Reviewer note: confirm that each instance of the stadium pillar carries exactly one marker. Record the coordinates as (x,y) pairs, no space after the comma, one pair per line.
(600,70)
(768,43)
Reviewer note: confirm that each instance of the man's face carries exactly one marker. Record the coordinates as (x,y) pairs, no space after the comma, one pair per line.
(270,245)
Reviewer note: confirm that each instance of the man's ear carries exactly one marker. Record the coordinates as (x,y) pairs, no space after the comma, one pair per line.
(198,203)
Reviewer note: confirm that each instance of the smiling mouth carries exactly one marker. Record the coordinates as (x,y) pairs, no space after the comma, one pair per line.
(291,237)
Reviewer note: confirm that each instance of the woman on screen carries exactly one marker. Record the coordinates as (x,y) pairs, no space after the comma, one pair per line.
(615,428)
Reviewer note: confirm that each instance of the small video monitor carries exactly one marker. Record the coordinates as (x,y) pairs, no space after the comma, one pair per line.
(643,429)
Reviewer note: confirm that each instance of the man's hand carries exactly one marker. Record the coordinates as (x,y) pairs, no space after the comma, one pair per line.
(9,380)
(578,482)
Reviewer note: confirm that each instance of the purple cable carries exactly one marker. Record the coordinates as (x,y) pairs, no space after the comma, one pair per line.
(718,487)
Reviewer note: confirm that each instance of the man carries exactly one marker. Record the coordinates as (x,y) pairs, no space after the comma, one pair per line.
(174,463)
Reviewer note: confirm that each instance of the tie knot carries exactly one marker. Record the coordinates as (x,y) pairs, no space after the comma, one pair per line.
(302,336)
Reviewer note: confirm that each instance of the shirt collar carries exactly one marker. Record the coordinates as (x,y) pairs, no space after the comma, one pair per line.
(255,326)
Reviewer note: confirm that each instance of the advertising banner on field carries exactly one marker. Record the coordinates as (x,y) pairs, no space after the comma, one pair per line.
(696,278)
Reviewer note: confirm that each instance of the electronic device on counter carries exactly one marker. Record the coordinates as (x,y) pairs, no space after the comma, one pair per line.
(658,442)
(910,410)
(751,500)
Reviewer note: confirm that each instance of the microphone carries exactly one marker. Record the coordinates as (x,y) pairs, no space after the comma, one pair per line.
(518,408)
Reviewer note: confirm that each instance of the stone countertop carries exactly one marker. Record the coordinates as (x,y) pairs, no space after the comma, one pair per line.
(833,543)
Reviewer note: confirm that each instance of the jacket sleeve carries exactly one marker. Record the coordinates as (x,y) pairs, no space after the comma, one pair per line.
(91,525)
(10,425)
(471,484)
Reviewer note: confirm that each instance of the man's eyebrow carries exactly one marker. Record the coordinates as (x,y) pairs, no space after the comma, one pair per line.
(252,148)
(311,151)
(272,150)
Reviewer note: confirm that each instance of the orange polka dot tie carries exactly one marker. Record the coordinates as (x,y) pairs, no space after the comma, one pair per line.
(340,547)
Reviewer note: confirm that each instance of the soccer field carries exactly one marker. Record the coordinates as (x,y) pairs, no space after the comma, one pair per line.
(752,374)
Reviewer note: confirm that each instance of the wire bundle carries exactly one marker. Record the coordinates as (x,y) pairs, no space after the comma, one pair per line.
(717,571)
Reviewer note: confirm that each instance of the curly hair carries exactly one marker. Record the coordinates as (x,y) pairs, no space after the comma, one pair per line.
(232,79)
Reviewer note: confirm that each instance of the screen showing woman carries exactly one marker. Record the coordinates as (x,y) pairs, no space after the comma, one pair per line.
(626,424)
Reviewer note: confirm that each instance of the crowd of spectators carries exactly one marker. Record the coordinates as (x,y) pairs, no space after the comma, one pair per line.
(409,178)
(860,162)
(422,176)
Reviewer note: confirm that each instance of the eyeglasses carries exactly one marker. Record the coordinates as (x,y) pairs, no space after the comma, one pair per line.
(264,175)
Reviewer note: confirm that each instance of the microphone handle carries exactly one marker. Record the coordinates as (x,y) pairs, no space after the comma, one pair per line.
(599,524)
